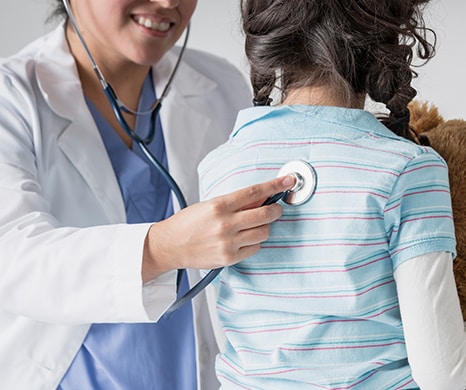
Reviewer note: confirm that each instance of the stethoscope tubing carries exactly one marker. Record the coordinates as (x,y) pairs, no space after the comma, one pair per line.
(113,100)
(142,143)
(194,291)
(154,111)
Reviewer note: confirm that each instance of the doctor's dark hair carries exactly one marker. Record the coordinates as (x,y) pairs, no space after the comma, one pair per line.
(58,11)
(354,46)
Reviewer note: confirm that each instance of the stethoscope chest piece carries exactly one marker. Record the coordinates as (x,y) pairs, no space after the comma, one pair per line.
(306,181)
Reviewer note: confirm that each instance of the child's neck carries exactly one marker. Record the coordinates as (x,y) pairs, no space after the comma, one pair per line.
(322,96)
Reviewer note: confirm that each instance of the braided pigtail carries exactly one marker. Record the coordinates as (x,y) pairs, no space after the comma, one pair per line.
(353,47)
(390,73)
(263,85)
(275,45)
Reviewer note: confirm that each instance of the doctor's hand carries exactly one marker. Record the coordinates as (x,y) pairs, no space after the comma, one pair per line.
(216,233)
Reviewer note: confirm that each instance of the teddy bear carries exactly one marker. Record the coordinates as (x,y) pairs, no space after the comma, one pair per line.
(448,138)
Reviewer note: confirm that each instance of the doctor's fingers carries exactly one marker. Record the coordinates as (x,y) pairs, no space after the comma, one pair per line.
(231,249)
(248,242)
(255,220)
(248,229)
(253,196)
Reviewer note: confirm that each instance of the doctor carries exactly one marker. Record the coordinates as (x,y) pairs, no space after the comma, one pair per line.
(89,242)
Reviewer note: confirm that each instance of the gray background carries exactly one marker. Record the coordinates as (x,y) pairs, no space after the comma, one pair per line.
(216,29)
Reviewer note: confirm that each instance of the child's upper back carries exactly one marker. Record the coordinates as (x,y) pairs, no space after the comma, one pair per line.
(318,303)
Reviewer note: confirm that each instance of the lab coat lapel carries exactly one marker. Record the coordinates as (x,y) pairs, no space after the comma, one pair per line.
(80,140)
(91,160)
(185,121)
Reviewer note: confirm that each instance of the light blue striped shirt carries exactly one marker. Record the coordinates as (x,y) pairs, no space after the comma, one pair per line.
(317,307)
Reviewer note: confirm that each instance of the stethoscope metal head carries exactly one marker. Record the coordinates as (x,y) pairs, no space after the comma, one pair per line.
(306,181)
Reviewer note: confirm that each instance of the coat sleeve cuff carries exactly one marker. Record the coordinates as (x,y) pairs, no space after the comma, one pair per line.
(158,294)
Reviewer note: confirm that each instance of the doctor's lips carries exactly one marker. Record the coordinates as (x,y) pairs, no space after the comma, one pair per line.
(152,24)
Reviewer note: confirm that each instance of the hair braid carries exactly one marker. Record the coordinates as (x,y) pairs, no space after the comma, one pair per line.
(353,46)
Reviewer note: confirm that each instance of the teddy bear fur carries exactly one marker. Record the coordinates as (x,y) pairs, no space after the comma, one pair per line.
(448,138)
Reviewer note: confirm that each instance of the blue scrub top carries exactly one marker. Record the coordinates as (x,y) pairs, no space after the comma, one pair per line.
(145,356)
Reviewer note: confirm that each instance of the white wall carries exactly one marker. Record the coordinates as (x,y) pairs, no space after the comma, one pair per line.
(216,28)
(20,22)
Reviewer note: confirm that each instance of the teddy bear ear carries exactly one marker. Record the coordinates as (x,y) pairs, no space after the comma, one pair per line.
(423,140)
(424,116)
(420,139)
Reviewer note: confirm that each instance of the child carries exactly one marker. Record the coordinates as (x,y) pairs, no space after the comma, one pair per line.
(354,289)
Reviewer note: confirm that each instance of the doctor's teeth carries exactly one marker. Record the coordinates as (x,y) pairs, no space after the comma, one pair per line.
(146,22)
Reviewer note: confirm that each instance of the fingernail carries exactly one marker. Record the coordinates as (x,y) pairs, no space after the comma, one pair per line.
(289,180)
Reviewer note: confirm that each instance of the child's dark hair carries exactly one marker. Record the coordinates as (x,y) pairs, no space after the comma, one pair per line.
(355,46)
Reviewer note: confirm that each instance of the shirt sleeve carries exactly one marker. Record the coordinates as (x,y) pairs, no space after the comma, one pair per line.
(432,321)
(418,215)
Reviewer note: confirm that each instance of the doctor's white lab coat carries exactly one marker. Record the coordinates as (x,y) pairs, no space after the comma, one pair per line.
(67,258)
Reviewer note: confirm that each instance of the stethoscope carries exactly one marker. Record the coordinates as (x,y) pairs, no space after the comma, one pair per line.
(118,106)
(301,192)
(304,173)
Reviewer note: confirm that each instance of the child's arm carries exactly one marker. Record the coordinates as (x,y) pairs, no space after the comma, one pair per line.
(432,321)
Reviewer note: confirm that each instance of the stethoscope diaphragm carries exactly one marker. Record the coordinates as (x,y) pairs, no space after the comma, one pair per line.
(306,181)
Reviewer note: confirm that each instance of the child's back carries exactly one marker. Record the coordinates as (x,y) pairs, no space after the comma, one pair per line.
(318,304)
(354,289)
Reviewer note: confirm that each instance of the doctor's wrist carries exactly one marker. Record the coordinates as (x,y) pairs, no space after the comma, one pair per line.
(153,258)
